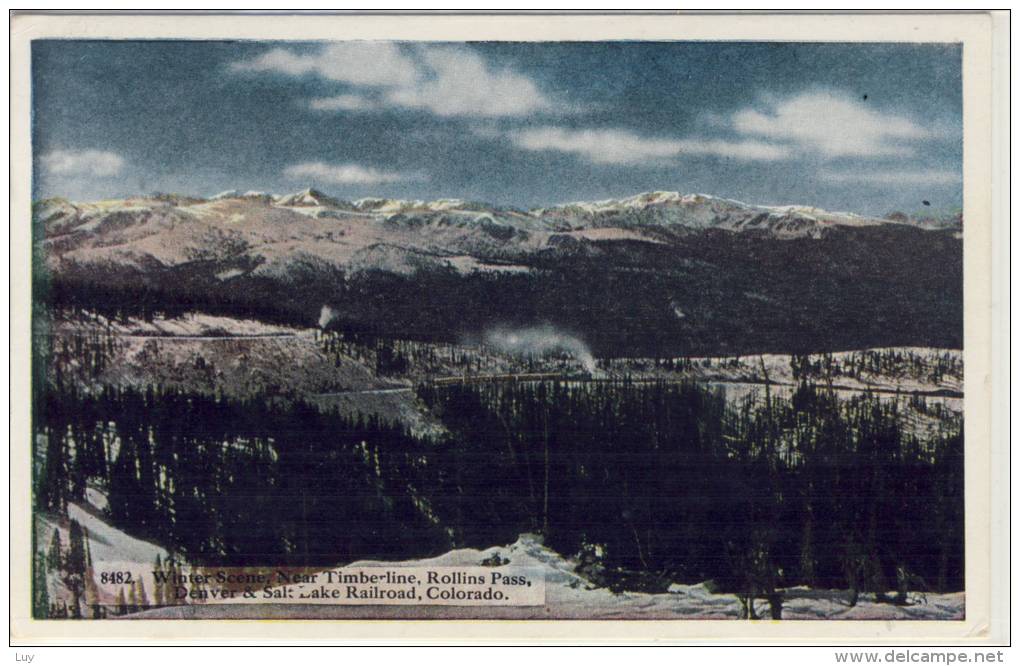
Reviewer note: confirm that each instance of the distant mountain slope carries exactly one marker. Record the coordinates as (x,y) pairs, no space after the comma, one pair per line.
(172,231)
(700,211)
(657,272)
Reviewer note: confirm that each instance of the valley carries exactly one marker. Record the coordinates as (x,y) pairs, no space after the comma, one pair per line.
(613,379)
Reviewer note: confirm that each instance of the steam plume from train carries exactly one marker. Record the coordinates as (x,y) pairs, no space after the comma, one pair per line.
(540,341)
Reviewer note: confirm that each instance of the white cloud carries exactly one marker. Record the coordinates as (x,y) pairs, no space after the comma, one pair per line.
(832,124)
(601,146)
(345,174)
(445,80)
(894,178)
(814,125)
(355,63)
(461,83)
(343,103)
(94,163)
(616,146)
(277,60)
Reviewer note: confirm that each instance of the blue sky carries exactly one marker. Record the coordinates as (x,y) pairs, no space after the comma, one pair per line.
(866,128)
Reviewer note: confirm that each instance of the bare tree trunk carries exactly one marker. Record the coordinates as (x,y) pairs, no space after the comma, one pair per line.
(640,552)
(545,500)
(775,600)
(902,583)
(852,568)
(746,607)
(943,576)
(76,601)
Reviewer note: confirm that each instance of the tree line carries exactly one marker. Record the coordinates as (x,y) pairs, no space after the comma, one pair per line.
(646,484)
(225,482)
(667,479)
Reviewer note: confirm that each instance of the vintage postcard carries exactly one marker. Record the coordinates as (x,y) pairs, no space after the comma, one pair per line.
(600,319)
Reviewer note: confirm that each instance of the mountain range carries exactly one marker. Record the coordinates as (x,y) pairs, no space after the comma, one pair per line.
(661,271)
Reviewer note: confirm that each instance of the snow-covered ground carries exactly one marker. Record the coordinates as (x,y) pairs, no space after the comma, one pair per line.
(914,372)
(188,325)
(570,596)
(106,543)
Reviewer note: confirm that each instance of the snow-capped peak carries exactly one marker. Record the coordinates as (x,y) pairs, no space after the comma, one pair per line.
(382,205)
(640,201)
(310,197)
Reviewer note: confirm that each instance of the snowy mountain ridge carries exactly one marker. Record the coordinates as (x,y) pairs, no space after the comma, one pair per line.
(275,234)
(656,208)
